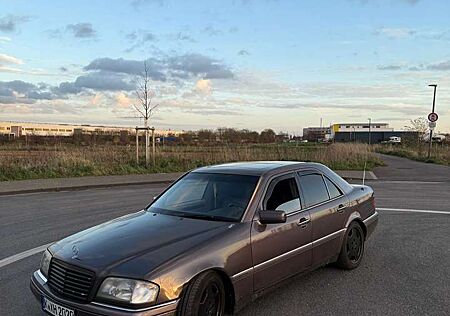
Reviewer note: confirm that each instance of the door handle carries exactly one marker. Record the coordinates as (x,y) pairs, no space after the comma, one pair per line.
(341,208)
(303,222)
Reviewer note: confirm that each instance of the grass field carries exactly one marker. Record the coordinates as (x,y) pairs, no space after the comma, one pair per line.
(65,160)
(440,152)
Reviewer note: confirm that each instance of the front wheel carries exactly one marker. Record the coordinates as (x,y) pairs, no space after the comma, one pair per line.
(204,296)
(352,247)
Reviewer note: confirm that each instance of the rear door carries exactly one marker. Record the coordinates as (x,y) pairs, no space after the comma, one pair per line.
(281,250)
(327,206)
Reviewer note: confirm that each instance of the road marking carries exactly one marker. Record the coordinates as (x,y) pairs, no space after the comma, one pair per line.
(406,182)
(411,210)
(31,252)
(23,255)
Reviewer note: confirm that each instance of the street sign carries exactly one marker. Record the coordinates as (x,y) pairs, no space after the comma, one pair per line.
(433,117)
(432,125)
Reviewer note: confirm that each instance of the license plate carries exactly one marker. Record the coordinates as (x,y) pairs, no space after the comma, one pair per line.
(56,309)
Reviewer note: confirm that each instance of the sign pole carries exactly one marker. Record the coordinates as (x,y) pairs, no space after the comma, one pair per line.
(432,111)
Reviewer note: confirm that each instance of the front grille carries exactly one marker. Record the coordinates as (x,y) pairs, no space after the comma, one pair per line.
(70,281)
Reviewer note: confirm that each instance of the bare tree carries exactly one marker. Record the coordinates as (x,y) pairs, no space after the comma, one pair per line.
(146,107)
(419,125)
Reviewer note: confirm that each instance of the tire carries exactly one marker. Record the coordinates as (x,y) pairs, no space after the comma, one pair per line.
(352,249)
(204,296)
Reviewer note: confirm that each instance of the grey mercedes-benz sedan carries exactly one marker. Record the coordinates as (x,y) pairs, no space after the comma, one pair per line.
(210,243)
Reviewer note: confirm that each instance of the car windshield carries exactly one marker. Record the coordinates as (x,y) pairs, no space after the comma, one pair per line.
(219,197)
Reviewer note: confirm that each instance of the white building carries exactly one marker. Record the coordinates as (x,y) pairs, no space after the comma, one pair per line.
(17,129)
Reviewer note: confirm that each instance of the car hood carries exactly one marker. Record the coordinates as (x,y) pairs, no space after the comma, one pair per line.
(135,244)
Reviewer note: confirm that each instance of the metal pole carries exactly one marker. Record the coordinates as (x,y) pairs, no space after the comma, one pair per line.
(137,145)
(432,111)
(154,149)
(370,135)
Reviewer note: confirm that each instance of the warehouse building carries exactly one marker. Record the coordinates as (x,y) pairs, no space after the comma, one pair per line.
(365,132)
(18,129)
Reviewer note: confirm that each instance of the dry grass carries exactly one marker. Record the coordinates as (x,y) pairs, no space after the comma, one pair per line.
(17,162)
(440,152)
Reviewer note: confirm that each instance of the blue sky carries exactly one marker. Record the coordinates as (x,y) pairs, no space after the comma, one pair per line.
(242,63)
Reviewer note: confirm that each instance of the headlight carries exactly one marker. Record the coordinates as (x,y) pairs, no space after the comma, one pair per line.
(128,291)
(45,262)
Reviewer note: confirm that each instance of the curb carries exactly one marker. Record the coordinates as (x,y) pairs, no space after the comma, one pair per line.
(169,178)
(82,187)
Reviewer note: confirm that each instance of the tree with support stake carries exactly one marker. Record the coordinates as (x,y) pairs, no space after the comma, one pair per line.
(145,108)
(152,129)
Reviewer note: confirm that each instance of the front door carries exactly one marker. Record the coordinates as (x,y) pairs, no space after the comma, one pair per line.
(281,250)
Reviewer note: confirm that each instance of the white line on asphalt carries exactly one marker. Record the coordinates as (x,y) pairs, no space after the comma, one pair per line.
(23,255)
(412,211)
(31,252)
(406,182)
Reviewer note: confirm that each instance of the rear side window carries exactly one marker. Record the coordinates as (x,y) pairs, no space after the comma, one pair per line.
(314,189)
(284,197)
(332,189)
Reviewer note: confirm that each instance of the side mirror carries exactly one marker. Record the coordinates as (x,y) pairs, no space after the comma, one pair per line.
(272,217)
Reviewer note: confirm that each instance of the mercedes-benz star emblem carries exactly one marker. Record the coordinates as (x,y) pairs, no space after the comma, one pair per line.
(75,252)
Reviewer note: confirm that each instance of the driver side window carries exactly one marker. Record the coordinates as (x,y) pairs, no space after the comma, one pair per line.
(284,196)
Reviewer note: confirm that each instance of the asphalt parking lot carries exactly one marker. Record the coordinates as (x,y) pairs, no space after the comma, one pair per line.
(406,269)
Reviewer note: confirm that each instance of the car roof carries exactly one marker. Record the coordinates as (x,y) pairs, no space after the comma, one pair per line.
(254,168)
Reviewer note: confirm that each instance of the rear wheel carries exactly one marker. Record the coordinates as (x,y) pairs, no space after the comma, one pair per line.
(352,247)
(204,296)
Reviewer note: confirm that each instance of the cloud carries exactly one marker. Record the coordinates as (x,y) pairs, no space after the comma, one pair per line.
(98,81)
(18,91)
(396,33)
(182,36)
(438,66)
(243,52)
(444,65)
(203,86)
(130,67)
(179,66)
(4,39)
(200,65)
(82,30)
(7,59)
(10,23)
(212,31)
(139,39)
(390,67)
(122,100)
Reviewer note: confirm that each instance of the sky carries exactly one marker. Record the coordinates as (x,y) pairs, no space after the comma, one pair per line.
(252,64)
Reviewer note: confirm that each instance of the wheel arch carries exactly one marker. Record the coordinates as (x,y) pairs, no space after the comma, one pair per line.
(230,298)
(356,217)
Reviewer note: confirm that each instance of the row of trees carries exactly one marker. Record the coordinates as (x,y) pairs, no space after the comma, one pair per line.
(232,136)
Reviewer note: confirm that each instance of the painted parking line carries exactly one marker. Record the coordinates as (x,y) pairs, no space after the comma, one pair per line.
(31,252)
(23,255)
(412,210)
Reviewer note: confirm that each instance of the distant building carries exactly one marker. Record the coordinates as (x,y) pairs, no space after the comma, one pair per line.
(359,127)
(18,129)
(315,134)
(362,132)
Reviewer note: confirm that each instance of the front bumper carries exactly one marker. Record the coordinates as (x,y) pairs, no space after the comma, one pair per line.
(39,287)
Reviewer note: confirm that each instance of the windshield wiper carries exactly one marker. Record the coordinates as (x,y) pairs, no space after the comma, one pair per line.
(205,217)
